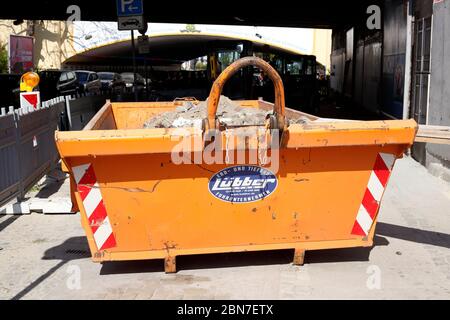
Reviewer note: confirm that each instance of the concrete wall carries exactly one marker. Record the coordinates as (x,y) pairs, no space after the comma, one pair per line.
(322,46)
(53,41)
(438,156)
(439,108)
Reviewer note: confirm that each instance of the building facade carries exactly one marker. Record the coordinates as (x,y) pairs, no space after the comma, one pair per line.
(53,40)
(400,69)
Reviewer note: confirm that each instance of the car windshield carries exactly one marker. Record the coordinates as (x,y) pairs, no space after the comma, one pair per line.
(82,76)
(105,76)
(128,77)
(49,74)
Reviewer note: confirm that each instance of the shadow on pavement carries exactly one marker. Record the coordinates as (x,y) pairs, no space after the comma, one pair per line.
(71,249)
(77,248)
(344,254)
(415,235)
(53,182)
(49,189)
(5,223)
(242,259)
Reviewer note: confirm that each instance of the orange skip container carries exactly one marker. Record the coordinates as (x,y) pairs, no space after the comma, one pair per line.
(136,202)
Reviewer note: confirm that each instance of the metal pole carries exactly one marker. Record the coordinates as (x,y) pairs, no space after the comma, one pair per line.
(408,63)
(68,112)
(134,66)
(146,78)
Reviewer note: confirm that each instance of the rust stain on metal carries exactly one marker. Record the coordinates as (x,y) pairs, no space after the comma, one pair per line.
(170,264)
(299,257)
(305,162)
(168,246)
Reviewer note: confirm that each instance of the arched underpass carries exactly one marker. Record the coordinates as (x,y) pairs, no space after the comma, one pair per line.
(170,66)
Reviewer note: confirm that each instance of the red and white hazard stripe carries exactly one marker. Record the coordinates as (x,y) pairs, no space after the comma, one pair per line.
(374,192)
(94,207)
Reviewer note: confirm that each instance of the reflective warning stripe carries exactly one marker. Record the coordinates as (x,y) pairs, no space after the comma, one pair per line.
(90,193)
(372,197)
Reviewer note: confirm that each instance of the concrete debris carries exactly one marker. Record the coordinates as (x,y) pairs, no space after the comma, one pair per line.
(228,112)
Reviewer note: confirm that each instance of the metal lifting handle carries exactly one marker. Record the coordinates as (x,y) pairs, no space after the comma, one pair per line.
(217,87)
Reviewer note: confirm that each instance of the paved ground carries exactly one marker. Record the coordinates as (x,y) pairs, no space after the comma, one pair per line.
(46,257)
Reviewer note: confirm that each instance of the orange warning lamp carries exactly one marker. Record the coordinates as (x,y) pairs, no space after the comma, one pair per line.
(29,81)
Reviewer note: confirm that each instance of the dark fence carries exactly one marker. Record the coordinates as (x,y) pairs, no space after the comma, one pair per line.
(27,147)
(80,110)
(27,140)
(9,157)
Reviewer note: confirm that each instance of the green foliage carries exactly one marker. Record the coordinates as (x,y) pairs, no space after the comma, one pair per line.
(190,27)
(3,59)
(226,58)
(199,65)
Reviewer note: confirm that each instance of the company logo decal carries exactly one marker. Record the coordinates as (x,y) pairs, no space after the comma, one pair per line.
(242,184)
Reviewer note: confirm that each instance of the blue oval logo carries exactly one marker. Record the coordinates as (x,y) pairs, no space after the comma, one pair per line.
(242,184)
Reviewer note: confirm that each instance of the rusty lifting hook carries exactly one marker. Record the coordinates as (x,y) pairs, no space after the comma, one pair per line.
(276,121)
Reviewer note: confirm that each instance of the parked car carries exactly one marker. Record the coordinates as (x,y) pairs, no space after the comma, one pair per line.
(9,93)
(80,81)
(48,83)
(131,85)
(112,83)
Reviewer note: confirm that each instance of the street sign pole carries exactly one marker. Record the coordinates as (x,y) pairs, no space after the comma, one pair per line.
(146,78)
(144,53)
(130,16)
(133,48)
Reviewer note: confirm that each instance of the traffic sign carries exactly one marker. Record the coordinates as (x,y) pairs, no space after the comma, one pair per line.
(129,8)
(131,23)
(30,99)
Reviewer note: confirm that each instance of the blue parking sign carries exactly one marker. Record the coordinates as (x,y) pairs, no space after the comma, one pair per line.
(129,8)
